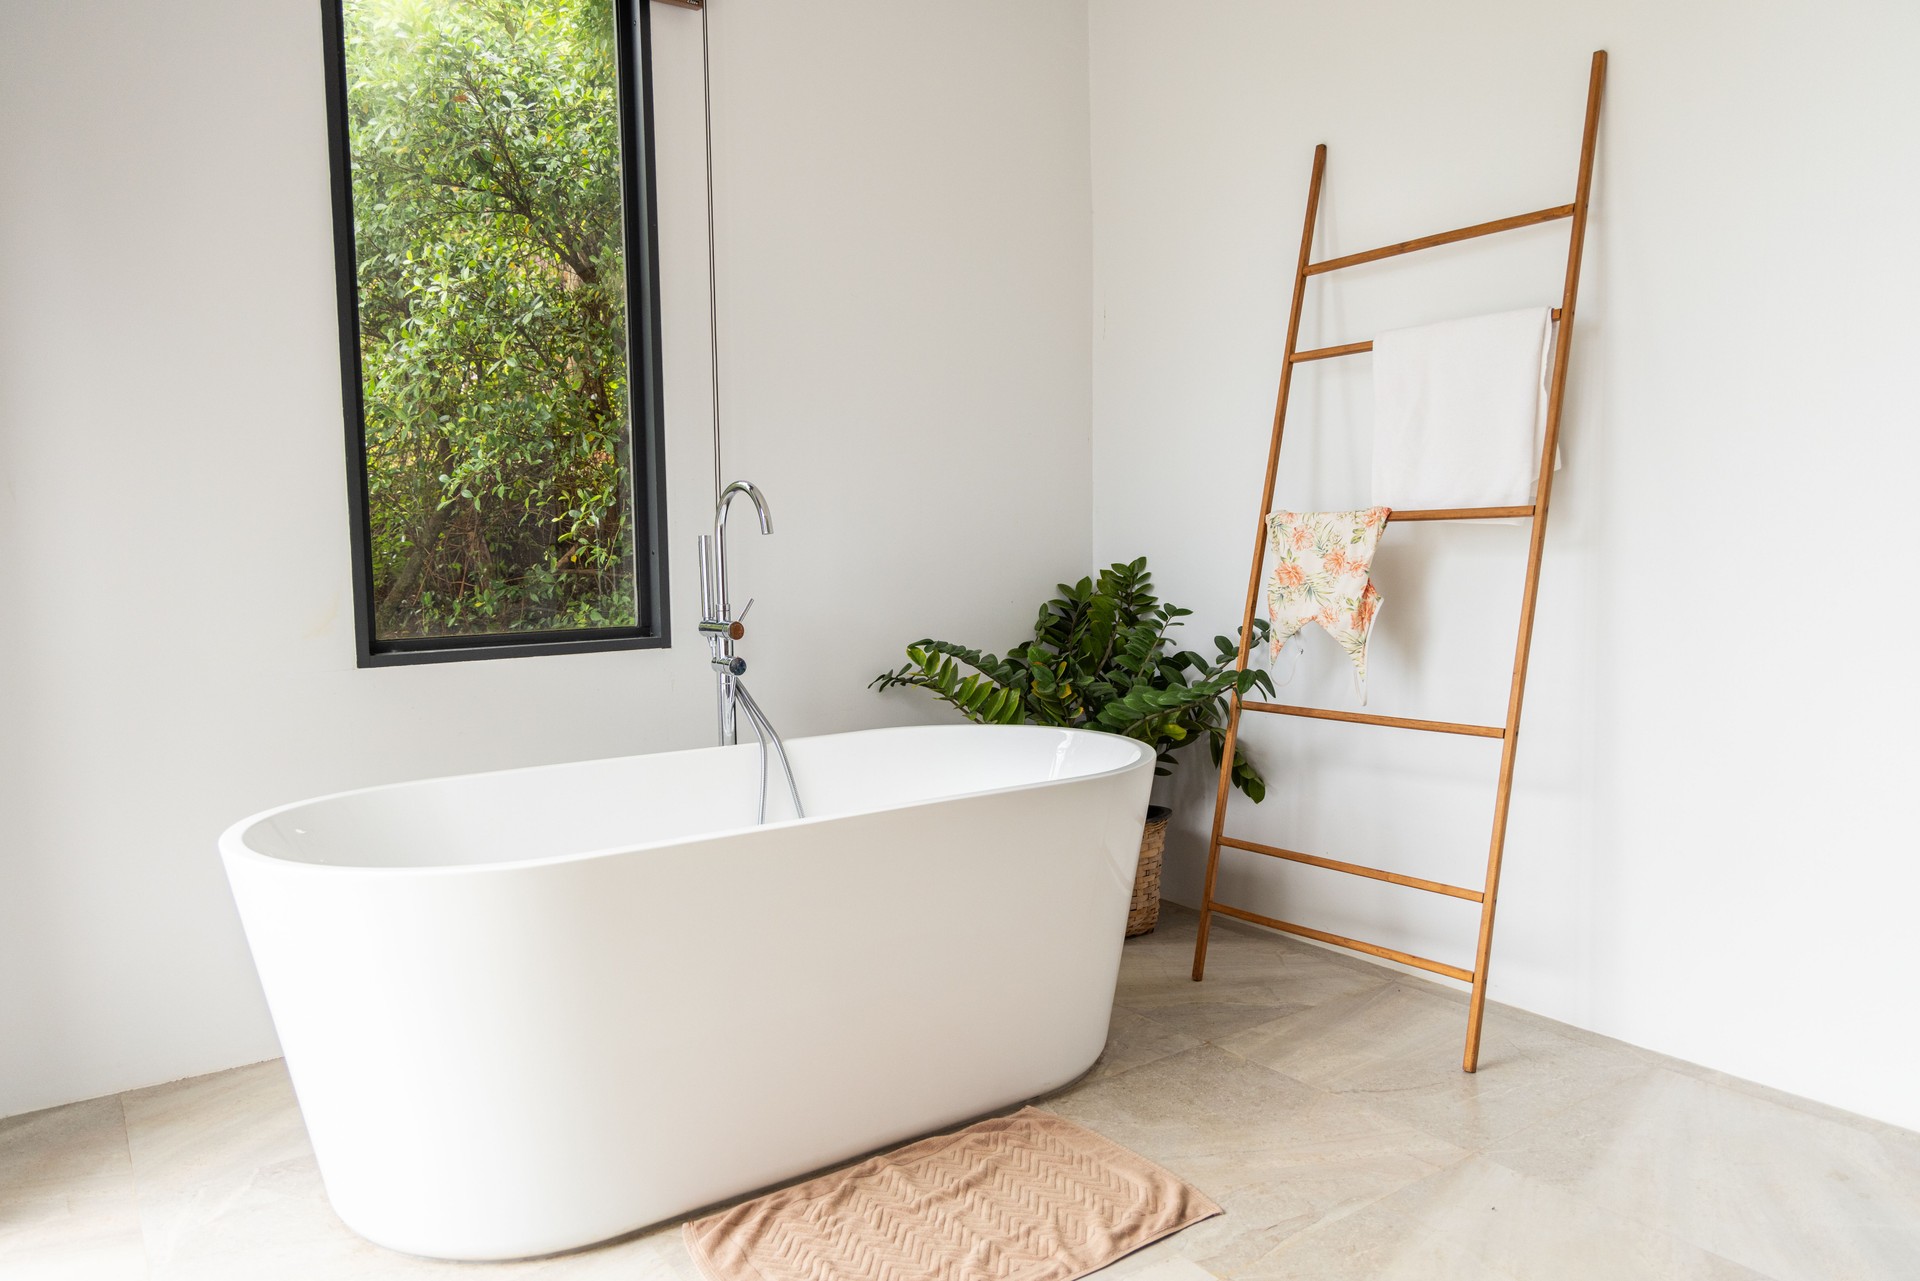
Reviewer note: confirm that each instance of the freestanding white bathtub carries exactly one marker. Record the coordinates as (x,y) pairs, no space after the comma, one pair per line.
(530,1010)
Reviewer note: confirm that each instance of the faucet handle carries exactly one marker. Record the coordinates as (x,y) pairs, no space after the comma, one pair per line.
(743,612)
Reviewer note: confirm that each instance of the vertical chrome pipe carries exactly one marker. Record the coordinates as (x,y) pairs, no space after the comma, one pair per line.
(706,579)
(718,645)
(729,710)
(713,269)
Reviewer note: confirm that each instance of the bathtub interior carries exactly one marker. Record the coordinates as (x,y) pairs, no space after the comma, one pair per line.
(567,810)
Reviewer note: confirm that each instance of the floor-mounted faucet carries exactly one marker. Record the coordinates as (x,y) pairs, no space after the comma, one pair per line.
(717,622)
(722,629)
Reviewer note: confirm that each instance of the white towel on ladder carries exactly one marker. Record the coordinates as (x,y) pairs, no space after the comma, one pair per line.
(1460,411)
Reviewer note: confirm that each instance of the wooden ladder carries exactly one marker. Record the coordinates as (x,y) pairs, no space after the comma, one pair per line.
(1509,732)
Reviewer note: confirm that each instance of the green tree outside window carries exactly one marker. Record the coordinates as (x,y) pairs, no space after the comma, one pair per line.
(485,143)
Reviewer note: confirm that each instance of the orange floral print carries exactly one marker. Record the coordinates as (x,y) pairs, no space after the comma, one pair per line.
(1320,575)
(1364,611)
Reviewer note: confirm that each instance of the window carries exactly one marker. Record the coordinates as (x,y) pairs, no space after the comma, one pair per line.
(499,318)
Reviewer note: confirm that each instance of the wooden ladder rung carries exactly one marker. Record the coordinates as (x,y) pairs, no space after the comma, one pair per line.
(1340,940)
(1460,513)
(1355,869)
(1442,238)
(1347,349)
(1367,718)
(1325,353)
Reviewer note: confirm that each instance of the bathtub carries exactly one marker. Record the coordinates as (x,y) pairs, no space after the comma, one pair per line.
(531,1010)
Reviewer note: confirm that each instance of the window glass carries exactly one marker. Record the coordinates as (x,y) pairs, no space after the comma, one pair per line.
(493,312)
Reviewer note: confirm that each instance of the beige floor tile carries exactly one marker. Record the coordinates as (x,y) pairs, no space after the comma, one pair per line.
(228,1124)
(1278,1156)
(1175,1268)
(1174,931)
(1372,1245)
(85,1229)
(1398,1047)
(1144,1263)
(1787,1193)
(1249,981)
(59,1145)
(1134,1040)
(225,1173)
(1480,1219)
(228,1180)
(1170,946)
(1766,1093)
(1230,943)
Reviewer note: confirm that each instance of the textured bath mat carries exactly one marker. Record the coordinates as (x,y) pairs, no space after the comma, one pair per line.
(1028,1197)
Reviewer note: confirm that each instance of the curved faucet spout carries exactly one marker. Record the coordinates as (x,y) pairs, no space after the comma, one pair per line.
(721,604)
(752,491)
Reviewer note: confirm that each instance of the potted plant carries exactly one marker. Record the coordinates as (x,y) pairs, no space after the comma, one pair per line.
(1100,658)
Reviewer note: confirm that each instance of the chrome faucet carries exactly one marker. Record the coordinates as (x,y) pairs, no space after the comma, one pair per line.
(717,622)
(722,629)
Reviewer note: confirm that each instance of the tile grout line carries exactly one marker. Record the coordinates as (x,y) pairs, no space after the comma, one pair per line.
(133,1177)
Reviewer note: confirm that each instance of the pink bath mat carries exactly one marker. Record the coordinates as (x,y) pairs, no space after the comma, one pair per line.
(1028,1197)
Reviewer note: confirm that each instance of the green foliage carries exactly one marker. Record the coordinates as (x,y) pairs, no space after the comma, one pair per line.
(487,225)
(1100,659)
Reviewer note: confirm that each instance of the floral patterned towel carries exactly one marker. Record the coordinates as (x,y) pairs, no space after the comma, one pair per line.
(1320,565)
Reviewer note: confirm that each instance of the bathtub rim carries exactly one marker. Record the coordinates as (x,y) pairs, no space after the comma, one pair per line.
(233,847)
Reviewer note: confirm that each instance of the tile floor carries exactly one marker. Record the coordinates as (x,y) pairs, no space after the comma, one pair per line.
(1316,1097)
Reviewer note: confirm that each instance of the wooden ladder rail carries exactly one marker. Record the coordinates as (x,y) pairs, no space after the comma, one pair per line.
(1509,732)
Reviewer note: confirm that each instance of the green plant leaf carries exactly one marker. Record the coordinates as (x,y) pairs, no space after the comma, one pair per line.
(1099,658)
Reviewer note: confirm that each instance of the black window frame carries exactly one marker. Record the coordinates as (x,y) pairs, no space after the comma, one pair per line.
(646,472)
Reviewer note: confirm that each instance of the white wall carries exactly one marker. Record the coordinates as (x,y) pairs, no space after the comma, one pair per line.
(1713,840)
(904,264)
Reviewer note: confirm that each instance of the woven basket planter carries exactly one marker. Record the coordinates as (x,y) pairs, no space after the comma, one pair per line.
(1144,914)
